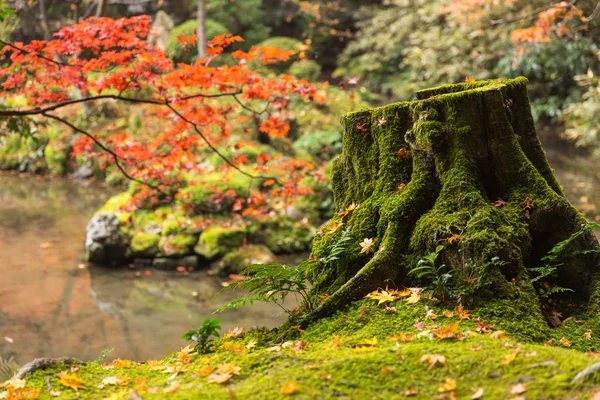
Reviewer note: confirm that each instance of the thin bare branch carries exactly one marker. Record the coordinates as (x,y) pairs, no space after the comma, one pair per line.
(216,151)
(116,158)
(37,111)
(60,64)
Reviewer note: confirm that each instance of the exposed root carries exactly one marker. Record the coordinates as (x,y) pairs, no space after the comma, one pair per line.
(44,363)
(592,369)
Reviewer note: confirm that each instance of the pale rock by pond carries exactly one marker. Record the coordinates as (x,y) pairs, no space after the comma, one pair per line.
(104,239)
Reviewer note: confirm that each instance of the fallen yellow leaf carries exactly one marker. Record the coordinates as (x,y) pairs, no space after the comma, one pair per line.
(14,384)
(413,298)
(462,313)
(335,343)
(363,349)
(72,381)
(220,377)
(430,315)
(518,389)
(290,388)
(173,387)
(401,338)
(498,335)
(432,360)
(564,342)
(116,380)
(448,385)
(206,371)
(229,368)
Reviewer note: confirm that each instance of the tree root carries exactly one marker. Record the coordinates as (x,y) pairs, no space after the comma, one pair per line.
(44,363)
(588,371)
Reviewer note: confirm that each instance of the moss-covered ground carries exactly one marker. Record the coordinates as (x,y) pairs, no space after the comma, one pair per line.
(368,351)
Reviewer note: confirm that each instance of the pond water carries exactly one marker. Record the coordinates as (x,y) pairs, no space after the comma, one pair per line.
(52,304)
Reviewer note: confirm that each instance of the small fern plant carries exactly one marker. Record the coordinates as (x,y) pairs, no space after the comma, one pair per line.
(552,261)
(429,268)
(271,283)
(340,247)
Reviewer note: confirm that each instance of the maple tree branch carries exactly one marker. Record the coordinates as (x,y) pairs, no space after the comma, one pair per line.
(532,14)
(216,151)
(60,64)
(106,149)
(36,111)
(247,108)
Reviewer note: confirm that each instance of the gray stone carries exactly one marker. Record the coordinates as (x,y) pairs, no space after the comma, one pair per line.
(104,241)
(83,172)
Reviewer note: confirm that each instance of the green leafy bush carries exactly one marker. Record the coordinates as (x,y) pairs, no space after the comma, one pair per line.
(203,334)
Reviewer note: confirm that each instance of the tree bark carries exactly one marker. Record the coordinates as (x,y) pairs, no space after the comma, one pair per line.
(430,172)
(201,30)
(101,8)
(44,20)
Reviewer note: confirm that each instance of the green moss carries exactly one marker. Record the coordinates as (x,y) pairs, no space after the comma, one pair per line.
(216,241)
(56,159)
(145,244)
(283,235)
(387,371)
(306,69)
(240,259)
(201,195)
(177,245)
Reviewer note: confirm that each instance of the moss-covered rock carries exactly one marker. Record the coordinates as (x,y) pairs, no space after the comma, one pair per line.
(238,260)
(216,241)
(173,263)
(177,245)
(145,244)
(461,168)
(284,235)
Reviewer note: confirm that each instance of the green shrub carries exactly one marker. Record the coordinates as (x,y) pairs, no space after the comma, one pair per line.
(306,69)
(174,48)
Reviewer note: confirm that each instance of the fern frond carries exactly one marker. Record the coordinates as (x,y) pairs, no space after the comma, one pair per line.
(340,247)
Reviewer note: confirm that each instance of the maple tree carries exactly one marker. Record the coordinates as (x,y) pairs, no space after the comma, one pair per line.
(194,109)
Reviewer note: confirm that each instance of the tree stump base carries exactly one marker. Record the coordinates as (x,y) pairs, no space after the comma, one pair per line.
(462,168)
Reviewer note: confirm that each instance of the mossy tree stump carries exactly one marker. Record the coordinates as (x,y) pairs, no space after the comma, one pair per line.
(460,167)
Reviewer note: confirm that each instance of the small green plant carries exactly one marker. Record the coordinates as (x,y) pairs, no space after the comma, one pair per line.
(553,260)
(100,359)
(271,283)
(343,244)
(202,335)
(429,268)
(8,368)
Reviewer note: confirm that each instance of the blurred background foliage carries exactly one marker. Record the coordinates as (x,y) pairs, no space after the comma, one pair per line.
(394,47)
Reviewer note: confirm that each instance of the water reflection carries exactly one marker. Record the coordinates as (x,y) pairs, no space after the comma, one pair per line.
(50,306)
